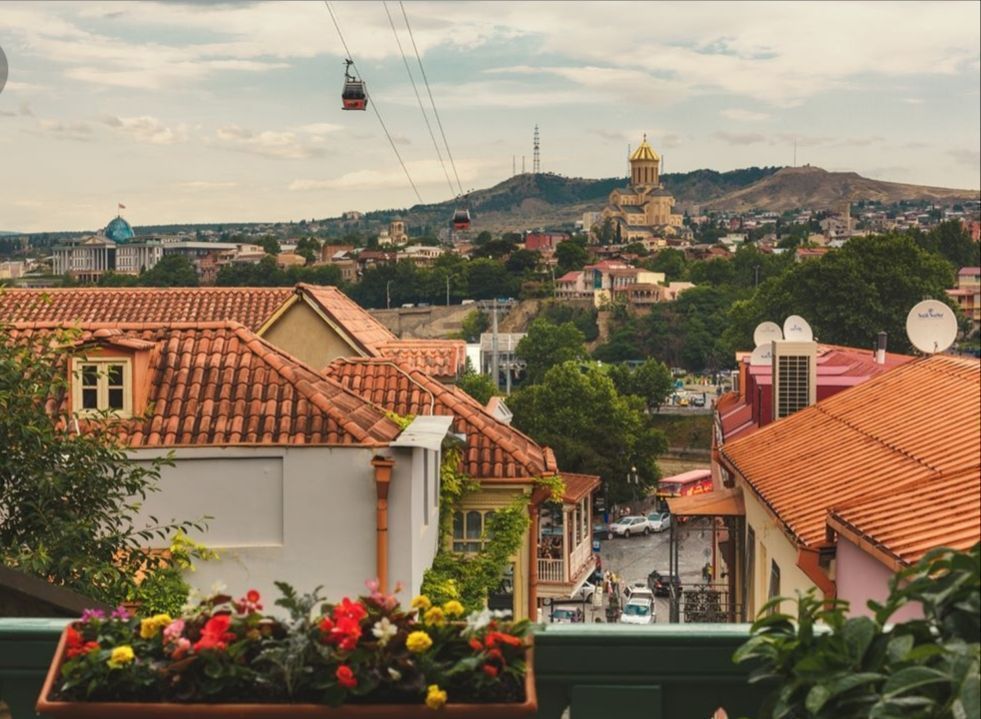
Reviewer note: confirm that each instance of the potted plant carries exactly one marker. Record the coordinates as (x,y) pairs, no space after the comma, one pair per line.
(225,657)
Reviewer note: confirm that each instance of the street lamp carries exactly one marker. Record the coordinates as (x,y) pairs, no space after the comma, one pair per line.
(633,479)
(388,295)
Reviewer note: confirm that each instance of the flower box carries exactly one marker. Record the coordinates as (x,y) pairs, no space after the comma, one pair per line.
(72,655)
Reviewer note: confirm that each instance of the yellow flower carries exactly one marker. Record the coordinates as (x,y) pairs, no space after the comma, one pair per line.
(121,656)
(150,627)
(435,697)
(453,608)
(418,642)
(421,602)
(434,616)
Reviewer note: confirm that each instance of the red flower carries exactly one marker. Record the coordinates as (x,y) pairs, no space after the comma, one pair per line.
(215,634)
(496,654)
(476,645)
(490,670)
(76,646)
(345,677)
(494,637)
(249,604)
(350,610)
(344,630)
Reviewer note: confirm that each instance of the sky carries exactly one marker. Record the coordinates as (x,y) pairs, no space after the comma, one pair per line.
(230,111)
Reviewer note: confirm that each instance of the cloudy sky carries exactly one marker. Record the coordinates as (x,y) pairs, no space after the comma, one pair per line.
(222,111)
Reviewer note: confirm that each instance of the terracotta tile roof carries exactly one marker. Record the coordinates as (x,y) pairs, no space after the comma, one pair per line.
(915,423)
(445,359)
(901,526)
(249,305)
(219,384)
(494,450)
(354,319)
(578,486)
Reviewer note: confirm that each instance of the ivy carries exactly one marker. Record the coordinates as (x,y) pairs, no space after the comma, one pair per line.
(555,486)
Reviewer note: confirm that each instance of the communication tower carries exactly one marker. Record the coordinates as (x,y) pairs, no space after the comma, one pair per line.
(536,164)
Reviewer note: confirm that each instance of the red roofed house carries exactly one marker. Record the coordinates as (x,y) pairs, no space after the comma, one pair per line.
(506,463)
(313,323)
(293,468)
(844,492)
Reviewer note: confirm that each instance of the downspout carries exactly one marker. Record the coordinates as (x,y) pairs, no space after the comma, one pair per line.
(383,478)
(533,564)
(808,560)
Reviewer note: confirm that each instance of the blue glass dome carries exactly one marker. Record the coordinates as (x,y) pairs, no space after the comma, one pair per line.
(119,230)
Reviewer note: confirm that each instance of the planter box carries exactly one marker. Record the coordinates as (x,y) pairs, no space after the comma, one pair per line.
(140,710)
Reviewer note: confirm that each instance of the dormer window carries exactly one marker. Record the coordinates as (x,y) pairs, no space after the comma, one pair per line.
(103,385)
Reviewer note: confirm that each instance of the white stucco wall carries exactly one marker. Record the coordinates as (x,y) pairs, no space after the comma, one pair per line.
(861,577)
(304,515)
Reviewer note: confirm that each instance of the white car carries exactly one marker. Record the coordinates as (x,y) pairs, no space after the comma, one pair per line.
(637,612)
(585,592)
(659,521)
(629,526)
(639,592)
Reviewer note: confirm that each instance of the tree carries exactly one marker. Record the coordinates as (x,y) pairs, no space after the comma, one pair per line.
(522,261)
(479,386)
(68,498)
(546,345)
(571,255)
(951,240)
(577,411)
(308,248)
(653,383)
(474,324)
(483,238)
(669,261)
(270,244)
(171,271)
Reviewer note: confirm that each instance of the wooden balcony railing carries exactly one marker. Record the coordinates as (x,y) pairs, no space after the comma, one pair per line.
(551,570)
(666,671)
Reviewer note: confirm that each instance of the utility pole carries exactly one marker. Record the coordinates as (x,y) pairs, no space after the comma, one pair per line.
(495,367)
(507,370)
(388,295)
(447,290)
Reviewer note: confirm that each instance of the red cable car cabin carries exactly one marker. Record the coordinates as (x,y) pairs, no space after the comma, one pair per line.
(461,220)
(354,96)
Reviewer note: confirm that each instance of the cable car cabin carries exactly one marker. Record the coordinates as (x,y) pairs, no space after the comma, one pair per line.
(354,96)
(461,220)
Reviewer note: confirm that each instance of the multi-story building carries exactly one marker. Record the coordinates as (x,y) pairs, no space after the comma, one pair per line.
(967,294)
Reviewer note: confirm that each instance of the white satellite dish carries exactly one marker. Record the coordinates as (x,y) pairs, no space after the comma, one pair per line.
(931,326)
(762,355)
(796,329)
(766,332)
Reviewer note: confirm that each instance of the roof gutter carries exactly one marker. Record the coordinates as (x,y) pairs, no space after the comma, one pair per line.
(808,560)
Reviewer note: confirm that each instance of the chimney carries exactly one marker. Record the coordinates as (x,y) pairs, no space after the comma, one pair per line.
(880,352)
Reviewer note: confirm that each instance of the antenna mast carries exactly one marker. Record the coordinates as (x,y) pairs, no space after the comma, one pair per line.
(536,164)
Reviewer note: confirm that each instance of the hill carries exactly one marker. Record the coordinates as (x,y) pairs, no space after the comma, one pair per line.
(817,189)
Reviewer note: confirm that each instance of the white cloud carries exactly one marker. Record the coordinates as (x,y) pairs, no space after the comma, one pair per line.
(740,138)
(206,185)
(269,143)
(80,131)
(740,115)
(147,129)
(424,173)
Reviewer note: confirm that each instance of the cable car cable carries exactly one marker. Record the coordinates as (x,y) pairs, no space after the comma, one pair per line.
(415,89)
(425,80)
(373,103)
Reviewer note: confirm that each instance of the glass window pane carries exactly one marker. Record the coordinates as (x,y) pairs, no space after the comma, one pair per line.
(459,547)
(474,525)
(487,522)
(115,375)
(90,398)
(115,398)
(457,527)
(90,375)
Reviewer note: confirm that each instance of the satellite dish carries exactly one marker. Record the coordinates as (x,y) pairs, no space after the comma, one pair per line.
(762,355)
(766,332)
(796,329)
(931,326)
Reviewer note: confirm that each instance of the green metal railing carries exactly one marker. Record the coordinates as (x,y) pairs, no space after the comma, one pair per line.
(667,671)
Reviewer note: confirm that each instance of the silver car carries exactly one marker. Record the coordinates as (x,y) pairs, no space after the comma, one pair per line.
(629,526)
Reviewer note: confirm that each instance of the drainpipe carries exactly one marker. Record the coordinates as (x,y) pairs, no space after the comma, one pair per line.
(808,560)
(880,352)
(383,478)
(533,563)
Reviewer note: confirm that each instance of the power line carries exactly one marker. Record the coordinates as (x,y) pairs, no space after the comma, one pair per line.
(425,80)
(415,89)
(373,103)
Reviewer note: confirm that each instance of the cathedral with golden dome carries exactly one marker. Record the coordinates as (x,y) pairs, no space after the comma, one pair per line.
(644,209)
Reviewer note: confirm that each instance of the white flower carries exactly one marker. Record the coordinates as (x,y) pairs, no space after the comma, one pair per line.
(395,674)
(384,630)
(218,587)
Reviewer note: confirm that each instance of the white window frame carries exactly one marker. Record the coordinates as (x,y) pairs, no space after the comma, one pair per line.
(102,401)
(466,544)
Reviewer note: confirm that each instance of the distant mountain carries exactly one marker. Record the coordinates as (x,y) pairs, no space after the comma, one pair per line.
(817,189)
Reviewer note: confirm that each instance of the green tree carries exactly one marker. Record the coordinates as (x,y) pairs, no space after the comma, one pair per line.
(671,262)
(577,411)
(483,238)
(488,279)
(571,255)
(546,345)
(68,498)
(477,385)
(117,279)
(653,383)
(308,248)
(270,244)
(171,271)
(951,240)
(474,324)
(522,261)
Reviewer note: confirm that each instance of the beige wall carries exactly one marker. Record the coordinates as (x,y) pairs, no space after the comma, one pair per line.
(303,333)
(772,544)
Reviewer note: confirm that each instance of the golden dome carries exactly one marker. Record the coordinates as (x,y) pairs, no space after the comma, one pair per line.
(644,152)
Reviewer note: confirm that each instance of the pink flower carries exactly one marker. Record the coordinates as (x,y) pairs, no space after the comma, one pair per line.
(181,647)
(173,631)
(121,612)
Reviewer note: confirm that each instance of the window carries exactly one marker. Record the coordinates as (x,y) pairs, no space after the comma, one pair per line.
(102,386)
(469,530)
(750,565)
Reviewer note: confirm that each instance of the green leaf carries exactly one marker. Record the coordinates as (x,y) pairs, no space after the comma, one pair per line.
(899,647)
(910,678)
(816,698)
(858,633)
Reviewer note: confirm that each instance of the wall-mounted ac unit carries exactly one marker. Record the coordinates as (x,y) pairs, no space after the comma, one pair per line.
(794,377)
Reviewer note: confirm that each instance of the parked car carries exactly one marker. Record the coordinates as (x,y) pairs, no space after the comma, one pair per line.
(637,612)
(639,592)
(660,584)
(629,526)
(565,615)
(698,400)
(601,531)
(585,592)
(659,521)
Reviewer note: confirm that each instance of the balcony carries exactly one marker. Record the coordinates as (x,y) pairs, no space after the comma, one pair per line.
(597,670)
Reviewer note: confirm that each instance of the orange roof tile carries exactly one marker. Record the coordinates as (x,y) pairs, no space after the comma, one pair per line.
(578,486)
(219,384)
(901,526)
(445,359)
(910,425)
(356,321)
(494,450)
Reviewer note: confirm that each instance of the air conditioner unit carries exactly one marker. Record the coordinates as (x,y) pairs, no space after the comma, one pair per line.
(794,377)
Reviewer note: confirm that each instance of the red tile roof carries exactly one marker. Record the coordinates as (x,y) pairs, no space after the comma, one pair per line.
(914,424)
(220,384)
(494,450)
(901,526)
(445,359)
(356,321)
(578,486)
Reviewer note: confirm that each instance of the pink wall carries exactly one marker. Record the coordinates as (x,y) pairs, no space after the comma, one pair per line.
(861,577)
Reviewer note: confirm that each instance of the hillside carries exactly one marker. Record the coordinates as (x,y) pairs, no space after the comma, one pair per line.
(814,188)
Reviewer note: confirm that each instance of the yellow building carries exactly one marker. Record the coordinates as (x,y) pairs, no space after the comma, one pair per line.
(644,209)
